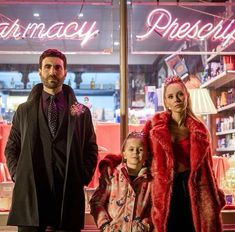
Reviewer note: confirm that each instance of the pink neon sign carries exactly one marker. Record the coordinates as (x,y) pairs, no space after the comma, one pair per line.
(161,22)
(73,30)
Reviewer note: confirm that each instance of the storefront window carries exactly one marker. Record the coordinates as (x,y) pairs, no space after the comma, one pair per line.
(161,41)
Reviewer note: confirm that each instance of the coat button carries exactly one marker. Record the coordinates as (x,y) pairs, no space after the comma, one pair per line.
(127,218)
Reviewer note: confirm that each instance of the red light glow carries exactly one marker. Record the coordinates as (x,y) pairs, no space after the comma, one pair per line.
(71,31)
(161,22)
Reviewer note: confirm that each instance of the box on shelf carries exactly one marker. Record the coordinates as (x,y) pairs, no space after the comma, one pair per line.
(5,203)
(88,193)
(6,189)
(229,62)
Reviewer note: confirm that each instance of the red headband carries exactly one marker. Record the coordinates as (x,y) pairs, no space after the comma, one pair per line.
(172,79)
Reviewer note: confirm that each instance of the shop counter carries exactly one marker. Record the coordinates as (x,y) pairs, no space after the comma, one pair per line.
(4,133)
(108,135)
(108,139)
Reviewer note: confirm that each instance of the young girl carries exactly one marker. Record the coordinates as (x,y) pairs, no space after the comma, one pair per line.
(124,204)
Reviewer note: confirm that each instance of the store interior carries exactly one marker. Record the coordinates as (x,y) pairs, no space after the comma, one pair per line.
(193,39)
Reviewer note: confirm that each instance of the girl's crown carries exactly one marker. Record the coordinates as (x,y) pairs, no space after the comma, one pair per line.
(136,134)
(172,79)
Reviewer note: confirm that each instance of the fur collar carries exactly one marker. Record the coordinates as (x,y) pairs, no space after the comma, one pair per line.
(199,139)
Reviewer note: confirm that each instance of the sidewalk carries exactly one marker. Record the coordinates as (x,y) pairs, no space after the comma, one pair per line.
(8,228)
(14,229)
(89,224)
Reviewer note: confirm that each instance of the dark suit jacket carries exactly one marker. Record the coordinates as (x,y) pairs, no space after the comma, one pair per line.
(81,161)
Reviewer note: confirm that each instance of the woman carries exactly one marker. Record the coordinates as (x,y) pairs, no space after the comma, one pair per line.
(185,194)
(184,189)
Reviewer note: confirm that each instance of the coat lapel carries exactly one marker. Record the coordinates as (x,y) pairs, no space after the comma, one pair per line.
(160,132)
(163,163)
(199,142)
(32,119)
(71,126)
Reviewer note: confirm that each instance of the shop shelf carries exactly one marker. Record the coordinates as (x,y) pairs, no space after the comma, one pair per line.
(225,149)
(227,107)
(78,92)
(220,80)
(225,132)
(16,92)
(94,92)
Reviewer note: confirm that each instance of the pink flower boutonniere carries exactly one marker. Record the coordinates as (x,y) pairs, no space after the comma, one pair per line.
(76,109)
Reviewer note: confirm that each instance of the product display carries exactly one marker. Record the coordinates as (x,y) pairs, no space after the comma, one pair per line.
(228,183)
(219,79)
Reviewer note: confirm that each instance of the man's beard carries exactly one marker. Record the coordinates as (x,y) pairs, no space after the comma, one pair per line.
(53,82)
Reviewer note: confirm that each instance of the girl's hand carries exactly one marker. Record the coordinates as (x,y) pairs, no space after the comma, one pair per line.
(106,174)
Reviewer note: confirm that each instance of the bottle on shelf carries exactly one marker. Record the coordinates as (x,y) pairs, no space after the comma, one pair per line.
(218,125)
(218,100)
(69,82)
(117,84)
(92,84)
(12,83)
(223,99)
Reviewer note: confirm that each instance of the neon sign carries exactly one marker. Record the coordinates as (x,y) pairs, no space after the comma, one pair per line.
(73,30)
(161,22)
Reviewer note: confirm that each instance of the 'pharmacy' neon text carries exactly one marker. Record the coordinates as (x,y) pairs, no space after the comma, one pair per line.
(73,30)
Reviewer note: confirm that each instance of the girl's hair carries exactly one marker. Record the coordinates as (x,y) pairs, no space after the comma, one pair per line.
(176,79)
(134,135)
(138,135)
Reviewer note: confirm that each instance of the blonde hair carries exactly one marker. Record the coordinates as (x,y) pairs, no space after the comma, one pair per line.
(134,135)
(176,79)
(137,135)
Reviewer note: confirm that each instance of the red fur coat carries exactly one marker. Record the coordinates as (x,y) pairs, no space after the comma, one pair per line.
(206,199)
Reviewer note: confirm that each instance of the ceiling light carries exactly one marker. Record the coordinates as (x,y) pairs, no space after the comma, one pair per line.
(116,43)
(80,15)
(36,15)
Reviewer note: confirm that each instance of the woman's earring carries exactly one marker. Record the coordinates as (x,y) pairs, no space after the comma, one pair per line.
(145,164)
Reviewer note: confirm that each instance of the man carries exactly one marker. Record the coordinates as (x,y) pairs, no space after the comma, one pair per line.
(51,153)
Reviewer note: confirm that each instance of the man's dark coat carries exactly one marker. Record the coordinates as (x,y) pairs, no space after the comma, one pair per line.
(22,148)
